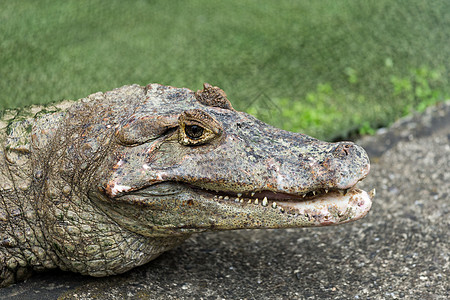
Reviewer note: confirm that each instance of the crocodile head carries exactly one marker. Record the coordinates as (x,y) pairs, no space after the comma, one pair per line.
(186,162)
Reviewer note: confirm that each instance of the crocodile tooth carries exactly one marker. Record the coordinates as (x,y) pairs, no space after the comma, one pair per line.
(249,201)
(274,205)
(226,198)
(314,193)
(220,197)
(326,191)
(341,192)
(264,202)
(253,194)
(242,200)
(304,195)
(239,195)
(236,200)
(281,209)
(256,201)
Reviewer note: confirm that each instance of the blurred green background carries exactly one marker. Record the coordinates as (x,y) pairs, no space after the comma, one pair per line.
(327,68)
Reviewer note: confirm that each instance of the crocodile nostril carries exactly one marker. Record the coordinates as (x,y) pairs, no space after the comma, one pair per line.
(343,150)
(346,149)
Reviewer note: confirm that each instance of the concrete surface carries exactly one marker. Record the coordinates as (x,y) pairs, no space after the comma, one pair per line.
(399,251)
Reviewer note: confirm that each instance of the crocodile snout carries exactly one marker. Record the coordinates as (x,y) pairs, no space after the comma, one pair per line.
(352,164)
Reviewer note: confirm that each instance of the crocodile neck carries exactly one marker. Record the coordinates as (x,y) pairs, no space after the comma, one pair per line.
(45,220)
(22,243)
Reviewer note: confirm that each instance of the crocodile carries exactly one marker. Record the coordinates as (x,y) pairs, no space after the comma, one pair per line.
(106,183)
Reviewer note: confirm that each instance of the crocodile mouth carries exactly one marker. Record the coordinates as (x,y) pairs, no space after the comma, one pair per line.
(322,206)
(319,207)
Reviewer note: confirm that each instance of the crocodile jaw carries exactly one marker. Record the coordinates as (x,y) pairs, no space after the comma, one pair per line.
(332,208)
(173,208)
(327,208)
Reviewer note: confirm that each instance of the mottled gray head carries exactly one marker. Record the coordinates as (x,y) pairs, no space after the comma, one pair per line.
(185,162)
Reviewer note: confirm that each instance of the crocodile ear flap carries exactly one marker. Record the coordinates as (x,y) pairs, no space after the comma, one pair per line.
(138,130)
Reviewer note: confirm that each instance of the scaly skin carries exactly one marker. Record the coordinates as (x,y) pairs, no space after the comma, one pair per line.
(106,183)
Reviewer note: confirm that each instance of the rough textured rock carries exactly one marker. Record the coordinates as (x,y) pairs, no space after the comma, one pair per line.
(399,251)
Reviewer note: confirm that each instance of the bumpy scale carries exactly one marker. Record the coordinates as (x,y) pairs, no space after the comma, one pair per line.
(109,182)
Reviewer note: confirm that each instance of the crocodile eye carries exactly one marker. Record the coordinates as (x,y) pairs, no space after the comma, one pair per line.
(192,134)
(194,131)
(196,127)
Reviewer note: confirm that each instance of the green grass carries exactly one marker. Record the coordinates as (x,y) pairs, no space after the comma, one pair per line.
(325,68)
